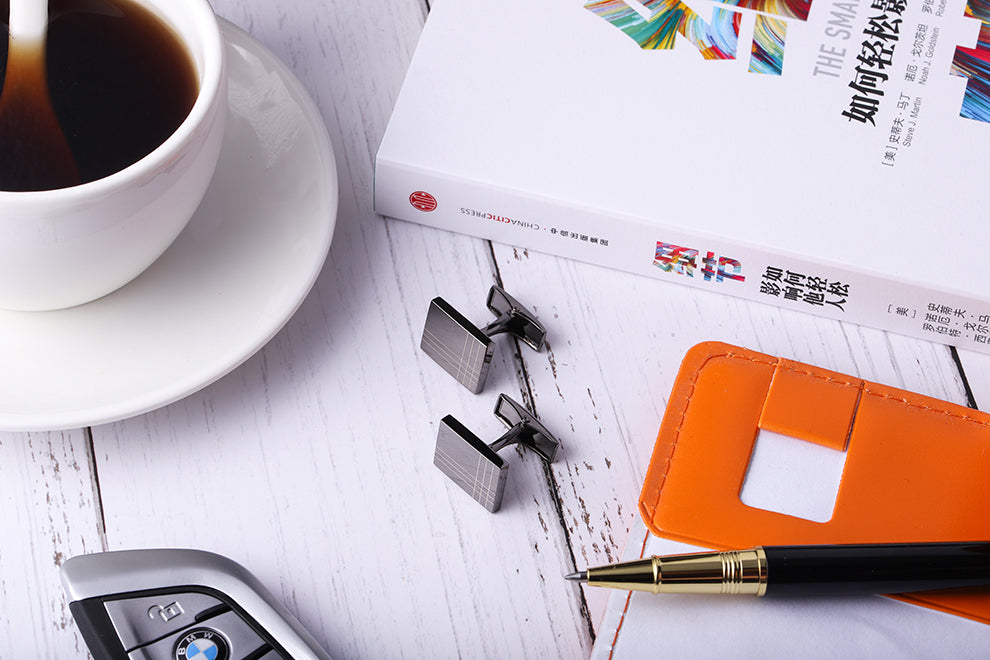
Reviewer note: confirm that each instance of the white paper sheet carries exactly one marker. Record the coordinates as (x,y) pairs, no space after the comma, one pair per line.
(691,626)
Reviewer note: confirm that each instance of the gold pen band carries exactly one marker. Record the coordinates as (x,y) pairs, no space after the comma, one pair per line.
(729,572)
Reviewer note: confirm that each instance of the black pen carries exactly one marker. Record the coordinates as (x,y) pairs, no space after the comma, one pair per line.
(876,568)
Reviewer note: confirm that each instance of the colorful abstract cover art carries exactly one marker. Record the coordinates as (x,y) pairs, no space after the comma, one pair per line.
(717,39)
(889,34)
(974,64)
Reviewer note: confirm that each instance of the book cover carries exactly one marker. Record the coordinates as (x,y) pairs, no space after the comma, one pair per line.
(822,155)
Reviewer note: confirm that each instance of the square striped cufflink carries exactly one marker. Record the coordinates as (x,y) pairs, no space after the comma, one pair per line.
(464,350)
(475,466)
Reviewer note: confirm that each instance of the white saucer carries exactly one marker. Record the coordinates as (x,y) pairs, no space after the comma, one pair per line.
(231,280)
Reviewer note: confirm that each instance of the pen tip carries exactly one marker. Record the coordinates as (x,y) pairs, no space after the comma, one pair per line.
(580,576)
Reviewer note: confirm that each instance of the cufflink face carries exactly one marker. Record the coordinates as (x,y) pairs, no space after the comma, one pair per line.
(465,351)
(454,343)
(475,466)
(470,463)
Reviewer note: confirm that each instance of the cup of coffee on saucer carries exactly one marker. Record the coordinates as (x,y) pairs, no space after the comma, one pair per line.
(111,120)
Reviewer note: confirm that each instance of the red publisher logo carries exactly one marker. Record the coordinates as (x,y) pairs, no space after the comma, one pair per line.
(423,201)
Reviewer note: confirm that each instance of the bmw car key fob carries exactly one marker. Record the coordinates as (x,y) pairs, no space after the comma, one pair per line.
(179,605)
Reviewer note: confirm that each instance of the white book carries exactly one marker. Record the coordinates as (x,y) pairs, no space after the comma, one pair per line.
(829,156)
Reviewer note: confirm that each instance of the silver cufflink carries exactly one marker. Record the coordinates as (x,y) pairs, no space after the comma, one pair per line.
(464,350)
(475,466)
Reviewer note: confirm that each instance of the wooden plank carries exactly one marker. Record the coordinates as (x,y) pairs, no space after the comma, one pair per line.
(312,463)
(49,512)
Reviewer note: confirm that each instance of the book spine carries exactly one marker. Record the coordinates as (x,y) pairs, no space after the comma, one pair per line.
(693,258)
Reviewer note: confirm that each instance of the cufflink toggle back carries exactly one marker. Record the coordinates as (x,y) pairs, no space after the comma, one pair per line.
(463,350)
(474,466)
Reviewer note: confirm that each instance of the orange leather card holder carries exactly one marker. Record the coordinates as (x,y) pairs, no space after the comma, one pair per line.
(916,468)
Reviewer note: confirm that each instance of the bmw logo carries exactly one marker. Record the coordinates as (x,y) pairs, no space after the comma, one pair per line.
(202,644)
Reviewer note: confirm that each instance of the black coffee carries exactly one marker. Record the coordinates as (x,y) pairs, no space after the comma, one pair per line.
(120,83)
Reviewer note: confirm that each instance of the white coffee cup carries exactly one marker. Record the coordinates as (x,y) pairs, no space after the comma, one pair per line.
(65,247)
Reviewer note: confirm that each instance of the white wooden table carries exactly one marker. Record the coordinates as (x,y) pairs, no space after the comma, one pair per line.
(314,459)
